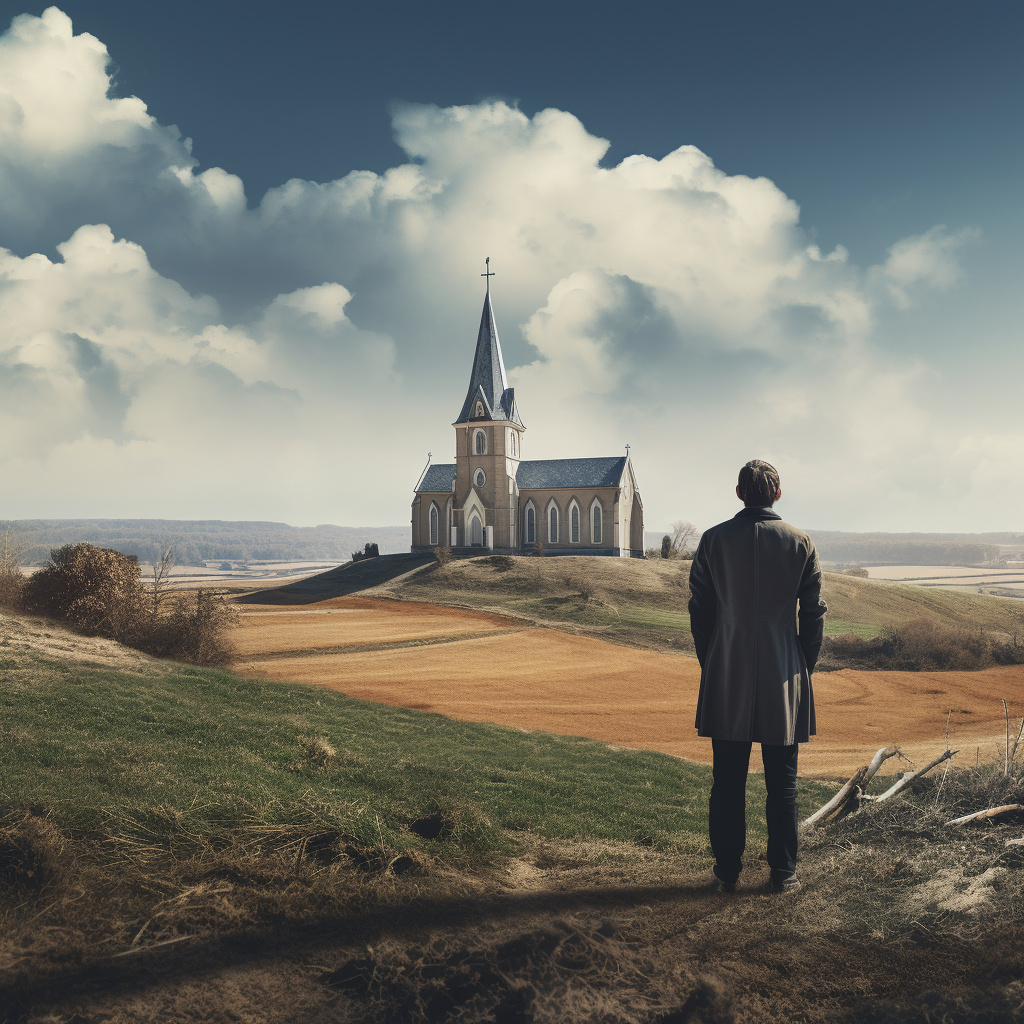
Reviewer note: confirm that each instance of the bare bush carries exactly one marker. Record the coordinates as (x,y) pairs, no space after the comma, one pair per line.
(93,589)
(920,646)
(442,556)
(582,583)
(12,579)
(195,631)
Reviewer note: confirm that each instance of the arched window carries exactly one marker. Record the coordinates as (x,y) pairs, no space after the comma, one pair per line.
(433,524)
(513,444)
(595,524)
(531,527)
(480,443)
(476,531)
(479,409)
(574,520)
(553,525)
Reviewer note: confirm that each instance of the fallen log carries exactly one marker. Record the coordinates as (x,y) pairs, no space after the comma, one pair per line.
(853,789)
(908,777)
(988,813)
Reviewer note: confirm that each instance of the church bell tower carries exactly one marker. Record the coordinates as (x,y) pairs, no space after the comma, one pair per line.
(488,448)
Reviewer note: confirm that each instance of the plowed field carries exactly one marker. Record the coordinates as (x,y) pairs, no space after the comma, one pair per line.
(483,667)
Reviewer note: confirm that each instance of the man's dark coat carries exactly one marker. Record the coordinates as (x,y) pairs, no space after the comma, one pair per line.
(747,578)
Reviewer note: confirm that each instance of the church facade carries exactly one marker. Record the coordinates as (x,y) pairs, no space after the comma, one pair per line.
(492,499)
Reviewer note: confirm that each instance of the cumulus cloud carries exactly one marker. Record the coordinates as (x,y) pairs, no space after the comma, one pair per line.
(177,352)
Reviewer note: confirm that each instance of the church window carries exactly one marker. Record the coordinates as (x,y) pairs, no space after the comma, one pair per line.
(480,442)
(476,532)
(480,478)
(479,409)
(553,525)
(575,524)
(596,524)
(433,524)
(530,526)
(513,443)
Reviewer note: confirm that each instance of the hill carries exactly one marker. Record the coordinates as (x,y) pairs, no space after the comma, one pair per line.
(643,601)
(191,845)
(198,541)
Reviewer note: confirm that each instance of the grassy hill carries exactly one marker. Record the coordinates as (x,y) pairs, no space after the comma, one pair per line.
(186,844)
(643,602)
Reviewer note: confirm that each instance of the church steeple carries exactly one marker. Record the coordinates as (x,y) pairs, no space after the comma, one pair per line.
(489,397)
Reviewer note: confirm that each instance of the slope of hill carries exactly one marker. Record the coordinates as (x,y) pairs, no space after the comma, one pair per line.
(643,602)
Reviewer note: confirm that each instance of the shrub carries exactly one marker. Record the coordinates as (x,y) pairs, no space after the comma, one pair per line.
(539,549)
(442,556)
(920,646)
(666,546)
(100,591)
(369,551)
(93,589)
(195,631)
(12,580)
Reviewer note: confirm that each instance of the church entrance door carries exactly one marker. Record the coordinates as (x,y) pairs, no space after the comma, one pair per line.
(476,532)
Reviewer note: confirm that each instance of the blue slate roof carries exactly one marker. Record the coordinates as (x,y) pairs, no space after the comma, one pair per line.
(438,477)
(544,474)
(487,382)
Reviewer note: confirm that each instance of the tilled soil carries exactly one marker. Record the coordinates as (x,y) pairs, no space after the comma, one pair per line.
(485,668)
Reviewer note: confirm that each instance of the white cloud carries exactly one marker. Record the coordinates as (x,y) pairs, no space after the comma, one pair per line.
(185,355)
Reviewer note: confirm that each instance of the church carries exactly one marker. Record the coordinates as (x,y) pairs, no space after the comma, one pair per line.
(491,499)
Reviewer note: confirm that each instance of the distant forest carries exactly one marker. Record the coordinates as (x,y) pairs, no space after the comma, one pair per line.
(199,541)
(912,548)
(904,548)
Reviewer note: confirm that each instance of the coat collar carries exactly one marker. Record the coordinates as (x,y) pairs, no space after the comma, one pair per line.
(757,512)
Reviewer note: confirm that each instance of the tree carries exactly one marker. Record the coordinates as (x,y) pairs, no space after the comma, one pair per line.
(12,580)
(163,563)
(683,540)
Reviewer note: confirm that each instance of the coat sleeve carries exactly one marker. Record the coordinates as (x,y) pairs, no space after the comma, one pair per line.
(703,605)
(811,615)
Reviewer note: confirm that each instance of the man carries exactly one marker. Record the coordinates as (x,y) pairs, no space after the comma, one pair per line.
(748,577)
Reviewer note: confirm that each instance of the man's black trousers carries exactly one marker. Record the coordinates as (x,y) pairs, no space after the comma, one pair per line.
(727,822)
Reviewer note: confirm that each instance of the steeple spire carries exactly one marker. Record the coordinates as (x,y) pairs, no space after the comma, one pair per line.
(488,384)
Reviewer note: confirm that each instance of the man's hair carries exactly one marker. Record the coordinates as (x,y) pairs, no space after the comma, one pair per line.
(758,483)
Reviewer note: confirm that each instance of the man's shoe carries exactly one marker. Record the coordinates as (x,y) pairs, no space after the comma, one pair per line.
(779,883)
(725,885)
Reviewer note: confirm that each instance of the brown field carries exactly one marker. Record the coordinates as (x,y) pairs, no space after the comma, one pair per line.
(483,667)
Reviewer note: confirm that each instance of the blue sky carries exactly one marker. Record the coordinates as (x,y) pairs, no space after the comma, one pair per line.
(668,303)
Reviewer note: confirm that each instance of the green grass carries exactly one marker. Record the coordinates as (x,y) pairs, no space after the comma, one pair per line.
(182,755)
(838,627)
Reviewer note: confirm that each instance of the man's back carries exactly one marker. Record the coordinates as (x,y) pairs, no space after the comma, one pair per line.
(747,578)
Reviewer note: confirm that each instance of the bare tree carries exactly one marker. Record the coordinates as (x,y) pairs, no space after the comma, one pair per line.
(12,552)
(683,540)
(163,563)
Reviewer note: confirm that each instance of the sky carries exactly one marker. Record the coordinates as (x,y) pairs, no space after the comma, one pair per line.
(240,248)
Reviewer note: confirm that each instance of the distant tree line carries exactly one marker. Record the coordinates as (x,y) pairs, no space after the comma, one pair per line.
(900,549)
(199,541)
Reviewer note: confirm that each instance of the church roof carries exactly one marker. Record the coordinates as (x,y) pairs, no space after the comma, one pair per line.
(545,474)
(438,477)
(488,382)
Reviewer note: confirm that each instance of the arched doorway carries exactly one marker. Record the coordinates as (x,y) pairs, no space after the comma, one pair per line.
(476,532)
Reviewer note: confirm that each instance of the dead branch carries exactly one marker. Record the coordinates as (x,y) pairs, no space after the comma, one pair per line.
(146,949)
(1006,763)
(1015,842)
(853,790)
(838,800)
(1020,732)
(908,777)
(988,813)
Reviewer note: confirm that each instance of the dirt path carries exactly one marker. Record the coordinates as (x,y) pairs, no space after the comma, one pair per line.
(482,667)
(549,941)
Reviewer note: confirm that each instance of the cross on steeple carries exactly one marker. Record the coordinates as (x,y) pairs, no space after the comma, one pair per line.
(488,274)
